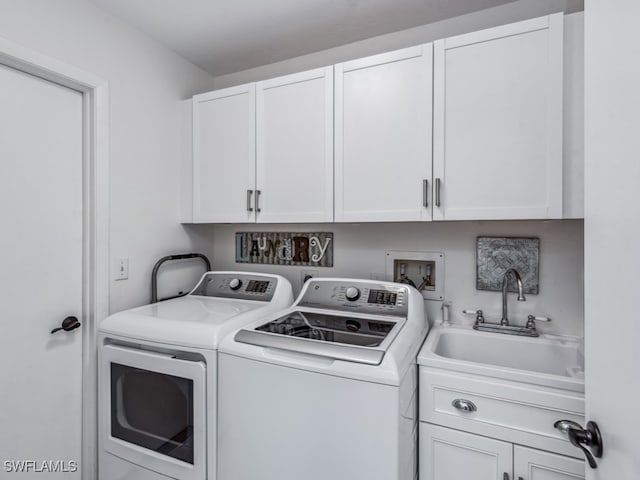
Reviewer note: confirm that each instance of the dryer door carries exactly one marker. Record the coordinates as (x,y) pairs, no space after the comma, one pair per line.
(153,411)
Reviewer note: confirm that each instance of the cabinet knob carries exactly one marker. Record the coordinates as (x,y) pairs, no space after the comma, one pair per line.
(464,405)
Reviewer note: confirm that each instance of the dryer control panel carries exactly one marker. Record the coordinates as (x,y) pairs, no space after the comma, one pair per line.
(381,298)
(237,286)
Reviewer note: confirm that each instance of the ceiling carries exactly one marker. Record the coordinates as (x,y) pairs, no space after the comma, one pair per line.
(227,36)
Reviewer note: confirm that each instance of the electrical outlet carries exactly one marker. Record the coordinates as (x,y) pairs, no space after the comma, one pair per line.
(306,275)
(120,268)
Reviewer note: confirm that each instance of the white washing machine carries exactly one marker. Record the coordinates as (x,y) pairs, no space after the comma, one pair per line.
(158,376)
(325,389)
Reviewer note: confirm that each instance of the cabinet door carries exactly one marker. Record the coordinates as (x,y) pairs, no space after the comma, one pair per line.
(294,117)
(530,464)
(447,454)
(498,122)
(224,155)
(383,132)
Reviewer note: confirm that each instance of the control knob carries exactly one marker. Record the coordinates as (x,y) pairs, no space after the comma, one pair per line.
(352,294)
(235,283)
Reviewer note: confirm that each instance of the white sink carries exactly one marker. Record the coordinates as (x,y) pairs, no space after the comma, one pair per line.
(548,360)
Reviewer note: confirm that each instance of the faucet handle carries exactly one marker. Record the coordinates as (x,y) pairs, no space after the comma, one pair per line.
(477,313)
(531,320)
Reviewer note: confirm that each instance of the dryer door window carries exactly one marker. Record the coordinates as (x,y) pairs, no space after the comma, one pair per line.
(153,410)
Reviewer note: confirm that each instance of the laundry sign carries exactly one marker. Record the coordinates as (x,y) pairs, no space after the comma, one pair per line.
(285,248)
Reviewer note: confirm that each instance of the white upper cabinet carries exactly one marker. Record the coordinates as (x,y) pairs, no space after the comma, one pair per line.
(224,155)
(573,113)
(383,131)
(294,126)
(482,126)
(263,152)
(498,122)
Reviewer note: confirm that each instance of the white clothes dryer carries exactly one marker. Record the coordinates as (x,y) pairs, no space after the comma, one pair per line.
(325,389)
(157,376)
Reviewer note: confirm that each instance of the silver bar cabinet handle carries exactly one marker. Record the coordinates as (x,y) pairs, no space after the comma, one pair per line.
(437,192)
(258,192)
(249,207)
(425,190)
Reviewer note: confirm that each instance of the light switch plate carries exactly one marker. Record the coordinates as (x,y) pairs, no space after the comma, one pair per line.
(120,268)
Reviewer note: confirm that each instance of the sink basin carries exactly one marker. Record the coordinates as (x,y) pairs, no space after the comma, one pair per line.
(548,360)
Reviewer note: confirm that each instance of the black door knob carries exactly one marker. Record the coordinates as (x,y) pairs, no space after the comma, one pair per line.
(581,438)
(68,324)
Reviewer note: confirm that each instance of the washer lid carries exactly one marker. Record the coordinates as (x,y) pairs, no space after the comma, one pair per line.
(362,339)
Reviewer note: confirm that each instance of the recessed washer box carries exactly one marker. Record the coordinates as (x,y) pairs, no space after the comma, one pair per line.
(424,270)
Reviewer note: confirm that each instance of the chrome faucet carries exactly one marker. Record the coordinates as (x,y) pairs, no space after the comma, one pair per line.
(503,327)
(505,282)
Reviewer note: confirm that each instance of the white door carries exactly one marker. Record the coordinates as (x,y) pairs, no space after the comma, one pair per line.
(447,454)
(224,156)
(612,229)
(294,144)
(498,122)
(41,276)
(383,110)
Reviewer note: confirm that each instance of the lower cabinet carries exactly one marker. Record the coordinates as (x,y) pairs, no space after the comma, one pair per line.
(531,464)
(448,454)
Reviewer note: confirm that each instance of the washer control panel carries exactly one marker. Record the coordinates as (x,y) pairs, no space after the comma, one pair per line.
(382,298)
(236,285)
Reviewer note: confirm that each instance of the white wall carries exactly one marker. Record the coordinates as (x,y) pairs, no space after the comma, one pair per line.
(359,251)
(612,229)
(503,14)
(146,83)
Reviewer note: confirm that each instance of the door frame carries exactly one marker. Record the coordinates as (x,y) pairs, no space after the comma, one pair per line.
(95,221)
